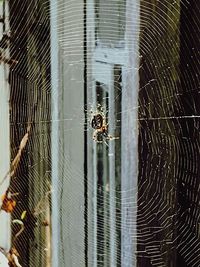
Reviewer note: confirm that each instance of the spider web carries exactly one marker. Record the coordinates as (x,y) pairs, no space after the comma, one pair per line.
(132,201)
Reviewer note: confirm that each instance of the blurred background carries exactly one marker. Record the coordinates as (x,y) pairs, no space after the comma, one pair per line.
(84,196)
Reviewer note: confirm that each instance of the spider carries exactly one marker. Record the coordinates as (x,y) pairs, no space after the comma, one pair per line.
(98,123)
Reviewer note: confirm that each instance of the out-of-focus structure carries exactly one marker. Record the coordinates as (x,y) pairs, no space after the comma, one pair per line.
(132,199)
(4,126)
(100,68)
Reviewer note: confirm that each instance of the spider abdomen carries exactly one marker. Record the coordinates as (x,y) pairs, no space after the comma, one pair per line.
(97,121)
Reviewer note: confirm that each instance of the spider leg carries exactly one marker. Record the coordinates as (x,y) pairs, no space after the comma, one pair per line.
(110,137)
(105,143)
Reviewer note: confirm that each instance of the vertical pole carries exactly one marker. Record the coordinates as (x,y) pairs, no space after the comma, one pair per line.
(85,133)
(55,132)
(112,187)
(91,146)
(5,234)
(129,149)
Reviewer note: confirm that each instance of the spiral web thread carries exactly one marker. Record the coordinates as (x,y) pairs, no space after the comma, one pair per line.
(163,204)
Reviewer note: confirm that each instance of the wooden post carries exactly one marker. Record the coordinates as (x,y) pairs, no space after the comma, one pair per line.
(129,147)
(5,230)
(68,177)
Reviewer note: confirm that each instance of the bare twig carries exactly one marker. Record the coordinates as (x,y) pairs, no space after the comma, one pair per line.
(17,158)
(21,229)
(12,257)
